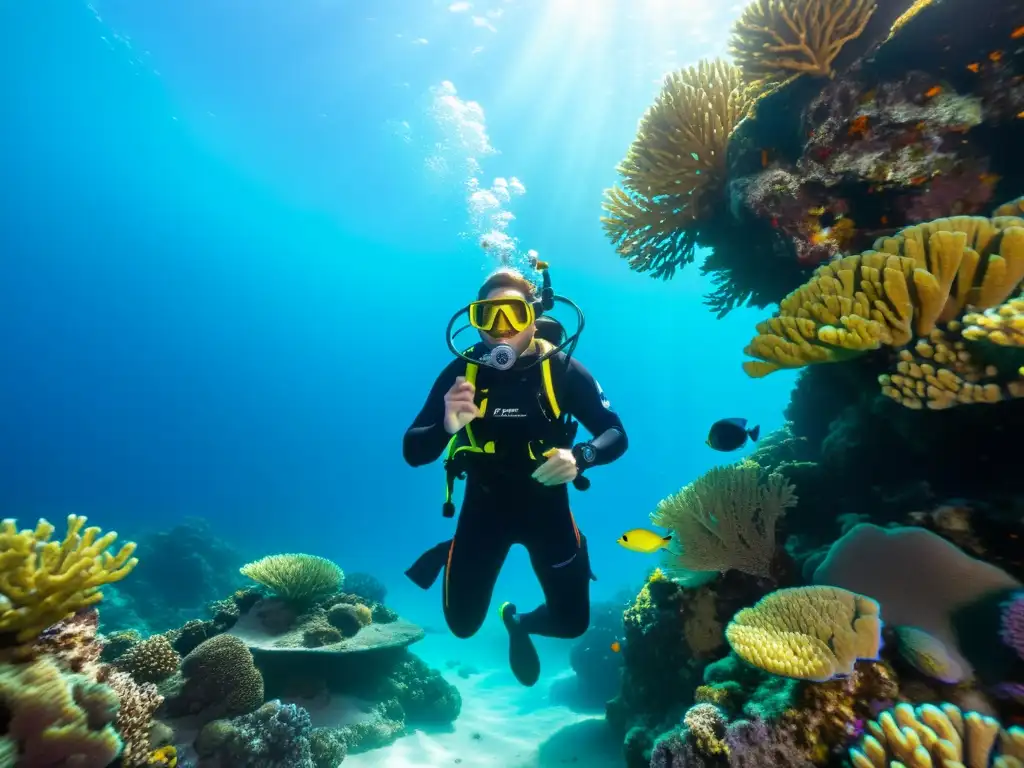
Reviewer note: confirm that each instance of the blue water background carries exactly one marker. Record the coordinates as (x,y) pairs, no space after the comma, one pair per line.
(226,272)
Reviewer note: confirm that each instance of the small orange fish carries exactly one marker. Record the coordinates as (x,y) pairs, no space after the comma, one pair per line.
(995,56)
(884,220)
(1018,33)
(616,647)
(974,67)
(932,92)
(764,158)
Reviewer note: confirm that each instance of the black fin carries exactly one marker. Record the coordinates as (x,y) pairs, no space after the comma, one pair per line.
(755,433)
(424,572)
(667,538)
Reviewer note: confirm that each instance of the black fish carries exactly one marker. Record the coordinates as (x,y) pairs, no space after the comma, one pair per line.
(730,434)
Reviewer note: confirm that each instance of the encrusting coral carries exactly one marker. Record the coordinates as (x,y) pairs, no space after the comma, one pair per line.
(777,40)
(676,162)
(138,704)
(296,578)
(930,736)
(43,581)
(810,633)
(726,519)
(221,680)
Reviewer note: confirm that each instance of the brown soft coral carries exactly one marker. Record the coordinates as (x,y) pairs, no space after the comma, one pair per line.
(221,680)
(73,643)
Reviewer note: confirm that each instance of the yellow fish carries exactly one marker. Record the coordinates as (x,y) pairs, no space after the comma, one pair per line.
(642,540)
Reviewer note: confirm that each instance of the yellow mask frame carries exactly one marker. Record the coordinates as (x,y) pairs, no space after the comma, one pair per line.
(501,317)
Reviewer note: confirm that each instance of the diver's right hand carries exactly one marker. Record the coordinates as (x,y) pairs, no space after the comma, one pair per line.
(459,408)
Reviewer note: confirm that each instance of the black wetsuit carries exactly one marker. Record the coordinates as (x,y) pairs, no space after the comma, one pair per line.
(503,505)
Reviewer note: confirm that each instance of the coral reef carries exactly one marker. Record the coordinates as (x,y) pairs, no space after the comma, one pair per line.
(181,571)
(274,735)
(44,581)
(150,661)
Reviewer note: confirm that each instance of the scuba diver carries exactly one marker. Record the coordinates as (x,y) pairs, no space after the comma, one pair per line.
(503,413)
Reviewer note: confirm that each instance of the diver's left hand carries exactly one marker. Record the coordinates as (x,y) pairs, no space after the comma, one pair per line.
(559,468)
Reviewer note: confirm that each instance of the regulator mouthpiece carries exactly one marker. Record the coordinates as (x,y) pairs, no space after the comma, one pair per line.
(501,357)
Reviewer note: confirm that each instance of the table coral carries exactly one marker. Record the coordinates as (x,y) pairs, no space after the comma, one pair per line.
(43,581)
(811,633)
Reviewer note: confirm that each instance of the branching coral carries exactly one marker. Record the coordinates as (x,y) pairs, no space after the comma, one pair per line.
(811,633)
(674,167)
(55,719)
(777,40)
(296,578)
(726,519)
(929,737)
(43,581)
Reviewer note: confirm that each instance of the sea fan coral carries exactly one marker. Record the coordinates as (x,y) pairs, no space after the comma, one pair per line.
(675,167)
(726,519)
(777,40)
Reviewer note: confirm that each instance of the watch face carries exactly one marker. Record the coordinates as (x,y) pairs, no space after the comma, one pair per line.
(588,453)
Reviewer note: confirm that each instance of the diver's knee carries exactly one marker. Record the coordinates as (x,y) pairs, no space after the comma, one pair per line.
(576,623)
(463,627)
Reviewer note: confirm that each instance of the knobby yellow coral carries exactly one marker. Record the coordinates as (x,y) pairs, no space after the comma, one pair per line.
(674,166)
(811,633)
(777,40)
(43,581)
(930,736)
(726,519)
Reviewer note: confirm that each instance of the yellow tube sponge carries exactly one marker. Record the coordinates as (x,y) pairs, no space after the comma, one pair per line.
(726,519)
(43,581)
(930,736)
(811,633)
(777,40)
(56,719)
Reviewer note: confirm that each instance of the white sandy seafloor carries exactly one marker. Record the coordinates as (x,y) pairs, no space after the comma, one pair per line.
(502,724)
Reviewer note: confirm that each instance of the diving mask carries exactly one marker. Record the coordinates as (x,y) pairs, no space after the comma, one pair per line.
(501,318)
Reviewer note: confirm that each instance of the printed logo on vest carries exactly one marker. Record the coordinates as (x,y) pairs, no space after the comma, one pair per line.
(508,413)
(604,398)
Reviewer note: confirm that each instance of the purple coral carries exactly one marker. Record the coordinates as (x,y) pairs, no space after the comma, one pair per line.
(752,744)
(1012,623)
